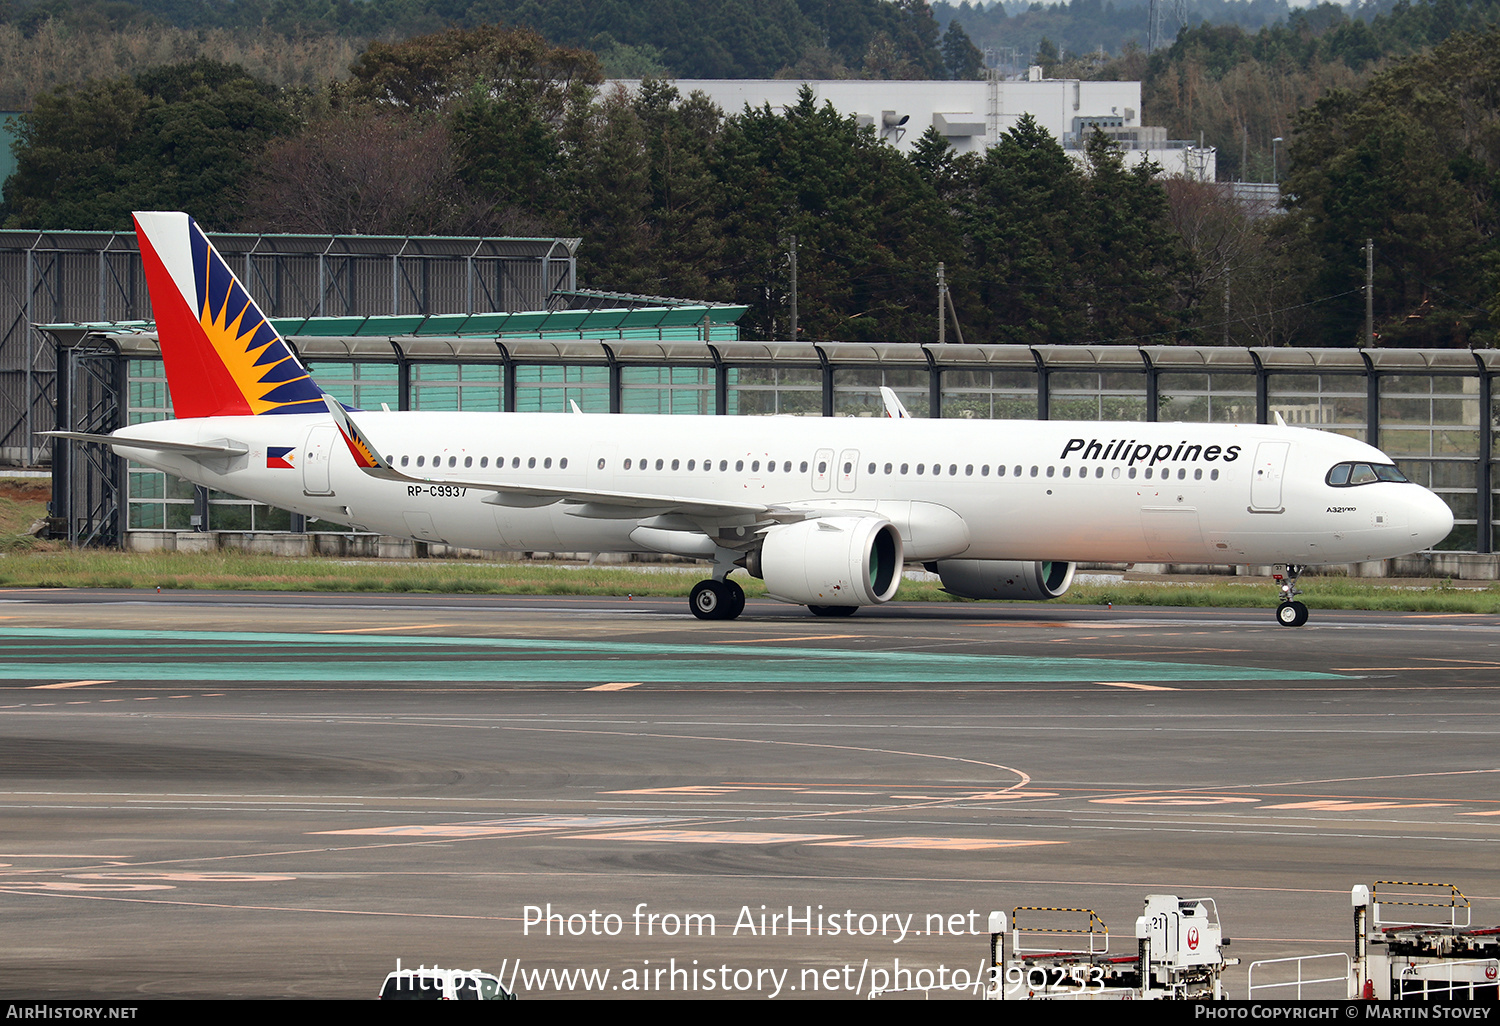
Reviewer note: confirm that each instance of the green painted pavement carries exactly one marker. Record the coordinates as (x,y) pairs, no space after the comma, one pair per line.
(204,656)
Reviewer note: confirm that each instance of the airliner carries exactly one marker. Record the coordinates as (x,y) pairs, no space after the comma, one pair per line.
(825,511)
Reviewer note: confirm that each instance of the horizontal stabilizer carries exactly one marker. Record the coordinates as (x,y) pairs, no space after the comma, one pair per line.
(219,449)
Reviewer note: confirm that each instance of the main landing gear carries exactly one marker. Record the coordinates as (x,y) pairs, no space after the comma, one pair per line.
(1290,613)
(717,600)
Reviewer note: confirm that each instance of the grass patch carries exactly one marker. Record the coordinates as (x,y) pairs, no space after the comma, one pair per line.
(238,571)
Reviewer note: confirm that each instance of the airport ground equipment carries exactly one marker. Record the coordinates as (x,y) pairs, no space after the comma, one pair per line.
(1063,954)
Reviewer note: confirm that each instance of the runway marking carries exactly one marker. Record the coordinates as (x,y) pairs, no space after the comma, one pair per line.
(371,630)
(69,684)
(706,837)
(1333,805)
(1492,812)
(804,637)
(1133,686)
(933,843)
(496,827)
(980,796)
(188,877)
(617,686)
(1178,799)
(262,657)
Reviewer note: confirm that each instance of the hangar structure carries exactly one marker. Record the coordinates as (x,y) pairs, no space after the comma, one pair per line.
(63,276)
(1433,411)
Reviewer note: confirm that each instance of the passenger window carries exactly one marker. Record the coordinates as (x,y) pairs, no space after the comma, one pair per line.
(601,463)
(1213,475)
(739,465)
(1000,471)
(1197,473)
(659,464)
(468,462)
(562,464)
(405,458)
(1148,473)
(1018,472)
(1034,471)
(937,468)
(1067,472)
(1114,474)
(754,466)
(953,470)
(1049,471)
(822,468)
(887,469)
(531,463)
(872,469)
(452,461)
(674,464)
(1132,473)
(484,461)
(770,466)
(515,462)
(692,464)
(804,467)
(969,470)
(848,468)
(786,468)
(627,464)
(723,465)
(547,463)
(984,471)
(921,467)
(1099,472)
(904,466)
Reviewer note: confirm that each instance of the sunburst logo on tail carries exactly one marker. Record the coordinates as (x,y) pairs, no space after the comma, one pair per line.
(222,356)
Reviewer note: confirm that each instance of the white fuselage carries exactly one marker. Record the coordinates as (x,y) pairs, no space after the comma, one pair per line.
(1068,491)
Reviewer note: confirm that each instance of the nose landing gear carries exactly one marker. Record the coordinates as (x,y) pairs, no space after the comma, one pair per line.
(1290,613)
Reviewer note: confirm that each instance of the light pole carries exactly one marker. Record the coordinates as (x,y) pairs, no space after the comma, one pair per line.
(1275,178)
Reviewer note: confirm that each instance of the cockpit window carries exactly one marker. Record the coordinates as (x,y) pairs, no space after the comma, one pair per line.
(1347,475)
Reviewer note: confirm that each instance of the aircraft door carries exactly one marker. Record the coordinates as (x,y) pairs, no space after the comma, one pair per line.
(822,470)
(848,470)
(317,454)
(1265,484)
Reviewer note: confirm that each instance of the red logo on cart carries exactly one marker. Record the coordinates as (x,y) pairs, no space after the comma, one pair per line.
(1193,939)
(1490,971)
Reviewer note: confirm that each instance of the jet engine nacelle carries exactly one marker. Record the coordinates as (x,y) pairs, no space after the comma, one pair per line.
(833,561)
(1003,579)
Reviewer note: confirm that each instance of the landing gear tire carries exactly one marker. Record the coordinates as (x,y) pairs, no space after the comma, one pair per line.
(717,600)
(736,600)
(1291,614)
(832,610)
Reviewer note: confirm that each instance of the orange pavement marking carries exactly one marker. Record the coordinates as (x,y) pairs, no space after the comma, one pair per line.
(68,684)
(934,843)
(705,837)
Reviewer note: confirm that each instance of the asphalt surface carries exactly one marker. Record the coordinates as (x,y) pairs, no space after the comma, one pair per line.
(257,795)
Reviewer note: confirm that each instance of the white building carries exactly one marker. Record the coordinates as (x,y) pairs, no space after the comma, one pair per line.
(973,115)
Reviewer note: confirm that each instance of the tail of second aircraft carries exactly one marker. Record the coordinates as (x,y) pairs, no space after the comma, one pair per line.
(223,358)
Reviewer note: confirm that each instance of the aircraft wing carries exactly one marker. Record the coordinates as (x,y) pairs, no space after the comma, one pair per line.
(593,503)
(212,449)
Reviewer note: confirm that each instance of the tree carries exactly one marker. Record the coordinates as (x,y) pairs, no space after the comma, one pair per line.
(869,230)
(960,56)
(180,137)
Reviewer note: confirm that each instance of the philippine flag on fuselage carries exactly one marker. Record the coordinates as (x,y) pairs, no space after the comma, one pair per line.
(279,457)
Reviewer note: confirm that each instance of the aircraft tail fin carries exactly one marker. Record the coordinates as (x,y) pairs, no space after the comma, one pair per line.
(222,356)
